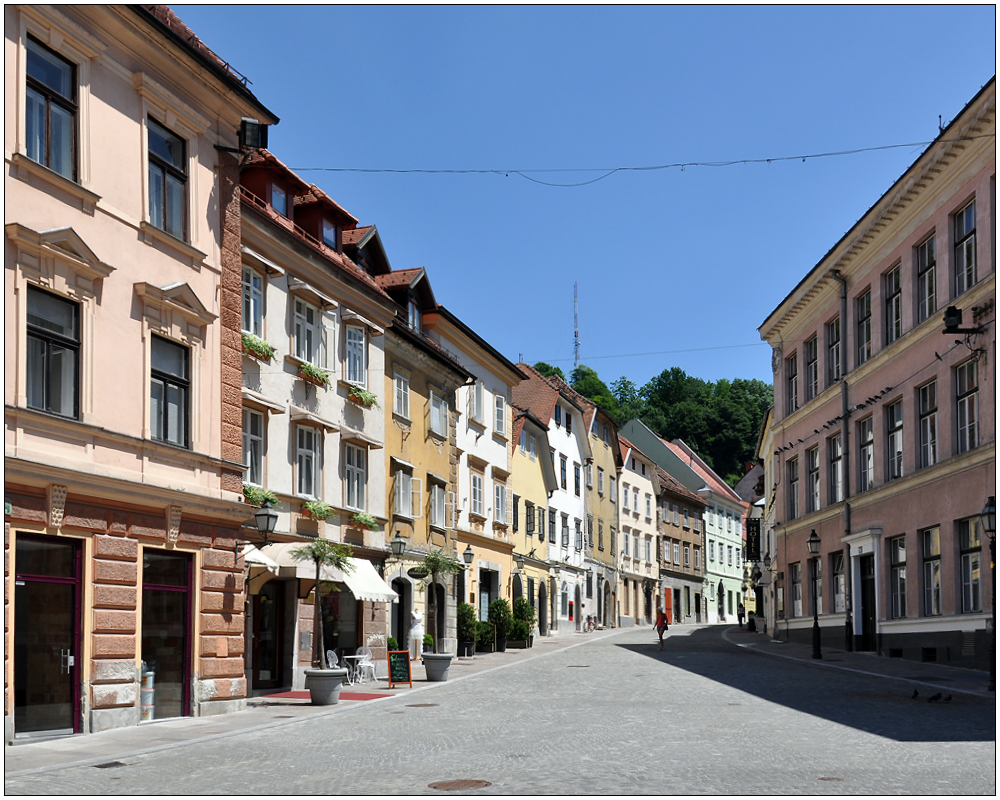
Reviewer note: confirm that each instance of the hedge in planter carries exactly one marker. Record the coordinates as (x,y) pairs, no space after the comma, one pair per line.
(502,618)
(465,619)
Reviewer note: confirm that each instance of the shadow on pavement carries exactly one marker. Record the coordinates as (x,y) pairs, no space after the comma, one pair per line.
(878,705)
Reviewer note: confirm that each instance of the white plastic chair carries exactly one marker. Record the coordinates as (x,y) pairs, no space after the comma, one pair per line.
(331,659)
(365,665)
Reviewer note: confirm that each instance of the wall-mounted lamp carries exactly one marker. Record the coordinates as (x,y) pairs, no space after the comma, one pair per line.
(468,555)
(266,519)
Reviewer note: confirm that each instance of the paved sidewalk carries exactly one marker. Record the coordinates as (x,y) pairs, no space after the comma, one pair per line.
(37,756)
(42,755)
(927,678)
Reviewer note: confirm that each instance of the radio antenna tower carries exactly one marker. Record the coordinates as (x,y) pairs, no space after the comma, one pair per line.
(576,329)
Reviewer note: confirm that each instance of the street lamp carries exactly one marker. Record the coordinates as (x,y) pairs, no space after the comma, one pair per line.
(988,516)
(266,519)
(468,555)
(813,542)
(519,562)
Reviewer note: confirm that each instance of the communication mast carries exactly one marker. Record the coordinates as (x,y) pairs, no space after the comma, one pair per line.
(576,329)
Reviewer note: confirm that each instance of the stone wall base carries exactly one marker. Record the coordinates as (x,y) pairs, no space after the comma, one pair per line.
(211,708)
(106,719)
(626,622)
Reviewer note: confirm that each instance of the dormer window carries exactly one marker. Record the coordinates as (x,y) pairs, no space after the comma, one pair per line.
(279,200)
(329,234)
(413,318)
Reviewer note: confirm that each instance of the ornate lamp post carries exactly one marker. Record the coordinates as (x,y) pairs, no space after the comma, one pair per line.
(266,519)
(988,516)
(813,543)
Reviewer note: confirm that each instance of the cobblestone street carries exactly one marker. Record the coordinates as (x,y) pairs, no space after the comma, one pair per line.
(603,713)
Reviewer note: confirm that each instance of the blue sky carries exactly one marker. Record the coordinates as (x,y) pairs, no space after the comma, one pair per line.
(666,260)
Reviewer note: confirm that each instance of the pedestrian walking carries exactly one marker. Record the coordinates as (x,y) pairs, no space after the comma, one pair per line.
(661,625)
(740,613)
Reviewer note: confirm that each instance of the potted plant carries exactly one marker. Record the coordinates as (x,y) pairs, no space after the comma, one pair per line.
(362,397)
(485,637)
(316,509)
(362,519)
(255,347)
(313,374)
(437,563)
(502,618)
(466,624)
(391,643)
(256,495)
(428,643)
(519,634)
(324,683)
(524,612)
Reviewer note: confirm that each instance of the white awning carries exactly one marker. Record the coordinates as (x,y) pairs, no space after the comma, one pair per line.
(256,558)
(363,581)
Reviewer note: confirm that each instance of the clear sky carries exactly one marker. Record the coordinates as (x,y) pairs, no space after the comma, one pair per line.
(666,260)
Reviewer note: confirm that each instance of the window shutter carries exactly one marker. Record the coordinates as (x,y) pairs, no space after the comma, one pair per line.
(449,510)
(508,497)
(416,498)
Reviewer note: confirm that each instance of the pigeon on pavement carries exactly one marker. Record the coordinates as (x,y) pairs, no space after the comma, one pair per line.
(916,694)
(934,698)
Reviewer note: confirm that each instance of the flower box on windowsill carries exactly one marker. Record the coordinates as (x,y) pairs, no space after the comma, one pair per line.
(256,495)
(362,519)
(314,375)
(361,397)
(257,348)
(316,509)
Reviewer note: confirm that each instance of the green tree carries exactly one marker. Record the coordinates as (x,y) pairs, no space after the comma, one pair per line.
(630,404)
(323,553)
(586,381)
(547,370)
(438,563)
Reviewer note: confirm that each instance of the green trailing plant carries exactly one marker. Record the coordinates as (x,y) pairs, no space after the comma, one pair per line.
(362,397)
(500,615)
(256,495)
(317,509)
(365,520)
(465,622)
(523,612)
(323,553)
(314,373)
(438,564)
(258,347)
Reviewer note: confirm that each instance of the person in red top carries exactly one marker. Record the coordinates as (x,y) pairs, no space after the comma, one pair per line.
(661,625)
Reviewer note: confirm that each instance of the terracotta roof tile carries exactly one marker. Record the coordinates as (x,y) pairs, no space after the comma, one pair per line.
(713,481)
(535,394)
(672,485)
(355,235)
(397,278)
(317,195)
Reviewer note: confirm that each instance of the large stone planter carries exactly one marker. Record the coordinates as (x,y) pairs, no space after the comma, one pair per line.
(466,649)
(437,665)
(324,685)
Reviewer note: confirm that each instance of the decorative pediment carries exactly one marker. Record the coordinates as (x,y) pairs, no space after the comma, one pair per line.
(177,297)
(59,246)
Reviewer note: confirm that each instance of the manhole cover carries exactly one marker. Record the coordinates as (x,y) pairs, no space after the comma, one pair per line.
(422,705)
(831,779)
(458,786)
(110,765)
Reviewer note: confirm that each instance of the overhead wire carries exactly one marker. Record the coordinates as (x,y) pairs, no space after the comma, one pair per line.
(659,352)
(609,171)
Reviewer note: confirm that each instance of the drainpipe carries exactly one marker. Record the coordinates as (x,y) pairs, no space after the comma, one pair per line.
(845,437)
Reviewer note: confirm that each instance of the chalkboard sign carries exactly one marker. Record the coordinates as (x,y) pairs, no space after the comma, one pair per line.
(399,667)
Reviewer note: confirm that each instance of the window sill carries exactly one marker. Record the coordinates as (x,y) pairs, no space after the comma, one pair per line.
(25,166)
(475,423)
(501,436)
(477,517)
(151,233)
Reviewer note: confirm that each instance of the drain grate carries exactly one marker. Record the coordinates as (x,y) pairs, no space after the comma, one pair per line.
(578,666)
(831,779)
(458,786)
(110,765)
(423,705)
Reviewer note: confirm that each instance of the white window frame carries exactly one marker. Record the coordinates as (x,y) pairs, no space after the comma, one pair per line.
(356,355)
(866,454)
(927,409)
(253,447)
(252,314)
(926,278)
(532,448)
(438,414)
(501,515)
(308,335)
(355,477)
(499,414)
(476,402)
(967,405)
(401,395)
(408,495)
(894,439)
(442,503)
(600,480)
(308,461)
(965,248)
(476,494)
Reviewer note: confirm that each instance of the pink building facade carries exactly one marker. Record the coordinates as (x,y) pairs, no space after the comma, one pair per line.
(883,433)
(123,593)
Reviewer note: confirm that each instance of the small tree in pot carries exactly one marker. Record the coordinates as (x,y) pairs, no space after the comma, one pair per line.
(501,617)
(323,553)
(466,624)
(437,564)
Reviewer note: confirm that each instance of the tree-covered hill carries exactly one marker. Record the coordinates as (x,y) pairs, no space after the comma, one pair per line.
(720,420)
